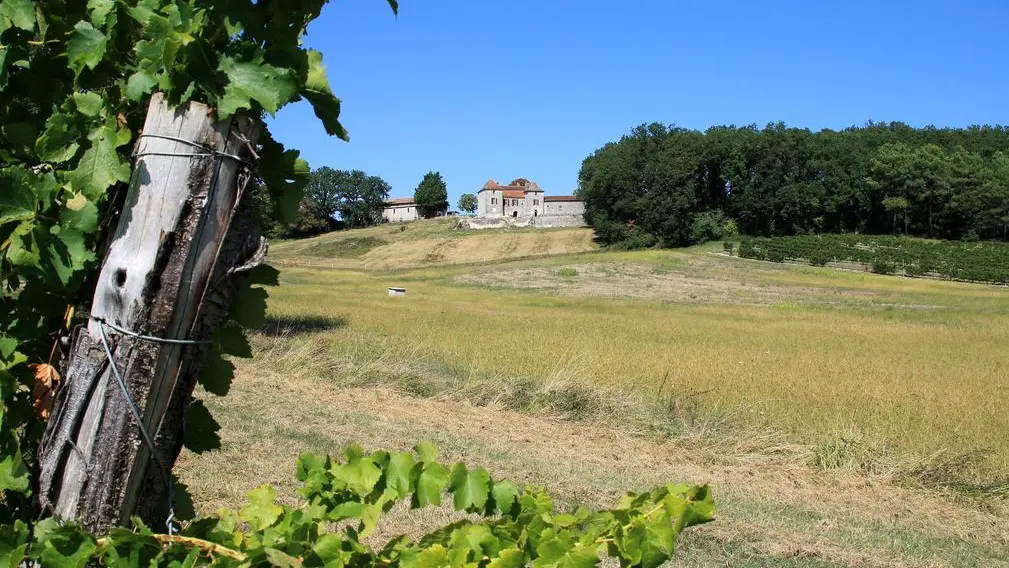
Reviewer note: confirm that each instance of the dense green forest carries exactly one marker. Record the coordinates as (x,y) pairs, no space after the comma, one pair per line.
(673,186)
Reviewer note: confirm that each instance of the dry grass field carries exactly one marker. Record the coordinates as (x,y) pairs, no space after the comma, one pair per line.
(844,419)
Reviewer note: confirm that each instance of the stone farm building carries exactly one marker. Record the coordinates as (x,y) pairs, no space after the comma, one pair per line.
(524,199)
(400,209)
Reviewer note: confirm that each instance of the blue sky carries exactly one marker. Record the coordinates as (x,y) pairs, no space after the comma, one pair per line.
(503,89)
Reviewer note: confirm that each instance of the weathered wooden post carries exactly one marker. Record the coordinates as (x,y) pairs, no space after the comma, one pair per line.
(185,234)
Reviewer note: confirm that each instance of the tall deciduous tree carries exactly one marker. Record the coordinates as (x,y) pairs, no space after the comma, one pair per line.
(355,196)
(467,203)
(431,195)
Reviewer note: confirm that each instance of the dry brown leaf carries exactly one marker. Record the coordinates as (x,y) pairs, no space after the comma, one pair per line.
(47,380)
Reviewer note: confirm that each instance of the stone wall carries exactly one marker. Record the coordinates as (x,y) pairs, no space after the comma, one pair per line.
(545,222)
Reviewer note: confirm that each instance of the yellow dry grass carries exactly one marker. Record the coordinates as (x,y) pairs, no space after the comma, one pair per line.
(922,372)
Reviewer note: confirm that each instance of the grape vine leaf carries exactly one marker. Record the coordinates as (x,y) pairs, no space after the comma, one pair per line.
(80,214)
(261,510)
(508,558)
(201,433)
(17,200)
(100,10)
(217,373)
(13,542)
(257,81)
(505,494)
(359,473)
(65,253)
(431,479)
(61,546)
(264,275)
(426,452)
(100,166)
(397,473)
(323,101)
(86,47)
(58,142)
(648,542)
(248,308)
(139,84)
(231,339)
(21,13)
(469,488)
(559,550)
(89,104)
(14,476)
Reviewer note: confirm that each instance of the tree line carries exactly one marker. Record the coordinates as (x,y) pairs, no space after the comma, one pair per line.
(349,199)
(674,186)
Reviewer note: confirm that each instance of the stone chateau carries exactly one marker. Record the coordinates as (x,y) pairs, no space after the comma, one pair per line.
(524,198)
(520,203)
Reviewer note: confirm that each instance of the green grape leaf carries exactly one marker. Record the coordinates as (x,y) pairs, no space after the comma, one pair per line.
(248,308)
(308,462)
(23,249)
(58,142)
(689,506)
(508,558)
(144,11)
(426,452)
(505,495)
(285,174)
(431,479)
(254,80)
(359,472)
(100,10)
(435,556)
(470,489)
(80,214)
(319,94)
(14,475)
(648,542)
(202,431)
(560,550)
(13,542)
(61,546)
(281,559)
(66,253)
(86,47)
(140,84)
(17,200)
(21,13)
(231,340)
(89,104)
(329,548)
(100,166)
(397,473)
(217,373)
(261,510)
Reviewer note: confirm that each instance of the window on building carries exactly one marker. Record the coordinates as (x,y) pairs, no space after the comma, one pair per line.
(493,200)
(536,201)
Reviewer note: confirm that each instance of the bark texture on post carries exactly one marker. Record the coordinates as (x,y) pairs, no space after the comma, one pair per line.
(185,234)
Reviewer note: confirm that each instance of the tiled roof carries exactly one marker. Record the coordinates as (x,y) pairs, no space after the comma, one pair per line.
(515,193)
(400,201)
(560,198)
(491,184)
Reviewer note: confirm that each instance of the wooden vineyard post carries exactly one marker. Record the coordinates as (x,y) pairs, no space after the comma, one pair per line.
(185,234)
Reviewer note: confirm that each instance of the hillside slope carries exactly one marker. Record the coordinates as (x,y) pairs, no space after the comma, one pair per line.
(426,243)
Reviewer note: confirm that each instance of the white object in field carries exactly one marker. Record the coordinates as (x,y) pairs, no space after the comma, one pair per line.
(397,291)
